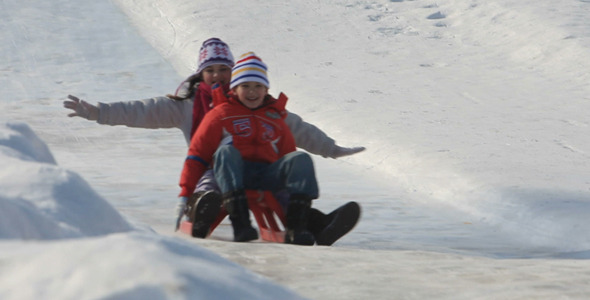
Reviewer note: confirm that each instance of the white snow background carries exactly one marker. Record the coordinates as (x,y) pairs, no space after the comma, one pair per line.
(474,184)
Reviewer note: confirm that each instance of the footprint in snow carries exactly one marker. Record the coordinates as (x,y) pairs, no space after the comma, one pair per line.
(436,16)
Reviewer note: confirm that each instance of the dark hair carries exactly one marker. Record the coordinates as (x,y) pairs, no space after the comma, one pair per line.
(193,81)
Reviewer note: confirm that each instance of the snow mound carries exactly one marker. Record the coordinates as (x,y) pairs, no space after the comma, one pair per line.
(40,200)
(127,266)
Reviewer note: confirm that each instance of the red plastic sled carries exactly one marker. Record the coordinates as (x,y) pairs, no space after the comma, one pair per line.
(267,212)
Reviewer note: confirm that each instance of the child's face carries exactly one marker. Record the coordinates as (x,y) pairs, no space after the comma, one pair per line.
(251,93)
(216,74)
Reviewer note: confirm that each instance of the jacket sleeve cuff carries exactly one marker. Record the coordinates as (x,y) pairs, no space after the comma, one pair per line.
(184,192)
(102,113)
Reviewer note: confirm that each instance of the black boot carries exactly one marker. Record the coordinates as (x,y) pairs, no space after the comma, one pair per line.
(236,205)
(204,211)
(317,222)
(298,212)
(190,205)
(327,229)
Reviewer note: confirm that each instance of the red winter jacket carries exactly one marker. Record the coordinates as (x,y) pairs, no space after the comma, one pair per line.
(260,135)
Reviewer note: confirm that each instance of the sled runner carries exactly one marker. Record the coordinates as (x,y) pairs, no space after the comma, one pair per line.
(267,212)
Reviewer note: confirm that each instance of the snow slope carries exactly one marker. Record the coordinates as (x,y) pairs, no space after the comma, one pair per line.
(474,184)
(475,106)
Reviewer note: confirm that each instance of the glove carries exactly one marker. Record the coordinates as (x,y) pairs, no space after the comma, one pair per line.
(343,151)
(180,211)
(81,108)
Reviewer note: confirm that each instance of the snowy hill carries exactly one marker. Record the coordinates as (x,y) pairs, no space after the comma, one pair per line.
(473,186)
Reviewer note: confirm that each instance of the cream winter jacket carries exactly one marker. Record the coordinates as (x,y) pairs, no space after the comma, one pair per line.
(164,112)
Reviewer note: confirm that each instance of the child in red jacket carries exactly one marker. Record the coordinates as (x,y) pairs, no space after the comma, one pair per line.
(249,145)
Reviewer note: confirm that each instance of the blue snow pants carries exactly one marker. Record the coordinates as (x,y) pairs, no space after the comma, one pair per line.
(293,173)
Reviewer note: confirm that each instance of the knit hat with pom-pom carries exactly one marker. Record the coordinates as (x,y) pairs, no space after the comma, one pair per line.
(249,67)
(214,51)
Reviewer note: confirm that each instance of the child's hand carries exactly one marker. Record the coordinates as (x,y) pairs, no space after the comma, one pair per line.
(343,151)
(180,210)
(81,108)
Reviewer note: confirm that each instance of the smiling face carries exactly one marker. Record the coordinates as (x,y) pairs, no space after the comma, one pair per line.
(251,93)
(216,74)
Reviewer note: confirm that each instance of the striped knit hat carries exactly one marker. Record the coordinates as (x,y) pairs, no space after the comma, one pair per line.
(249,67)
(214,51)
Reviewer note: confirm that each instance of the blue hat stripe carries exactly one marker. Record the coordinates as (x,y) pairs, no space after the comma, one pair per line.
(261,65)
(249,75)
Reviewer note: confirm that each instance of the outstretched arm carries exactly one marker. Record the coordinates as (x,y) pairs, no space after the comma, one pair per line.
(314,140)
(158,112)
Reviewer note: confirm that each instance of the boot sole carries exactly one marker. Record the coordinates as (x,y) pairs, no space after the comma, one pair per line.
(345,218)
(247,235)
